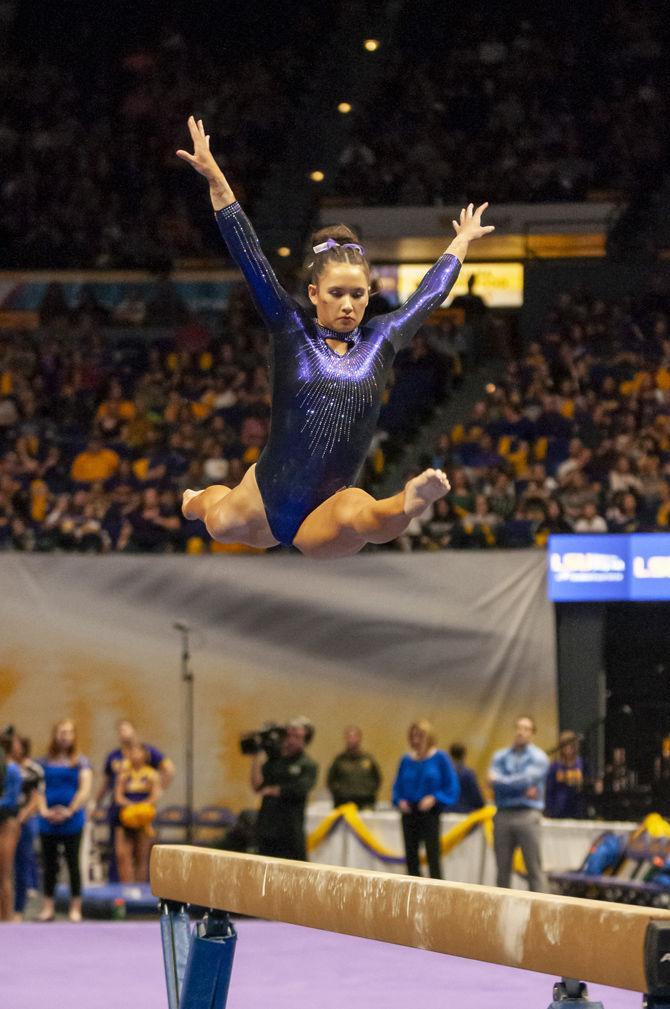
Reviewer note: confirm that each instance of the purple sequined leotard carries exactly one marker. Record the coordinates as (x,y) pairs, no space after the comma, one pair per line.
(324,406)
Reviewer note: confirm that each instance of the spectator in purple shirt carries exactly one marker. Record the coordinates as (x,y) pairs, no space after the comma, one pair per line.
(114,763)
(565,780)
(471,797)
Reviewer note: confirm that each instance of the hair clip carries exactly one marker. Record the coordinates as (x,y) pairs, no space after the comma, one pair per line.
(331,243)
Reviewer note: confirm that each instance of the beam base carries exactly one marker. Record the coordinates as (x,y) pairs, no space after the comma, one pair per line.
(657,965)
(569,994)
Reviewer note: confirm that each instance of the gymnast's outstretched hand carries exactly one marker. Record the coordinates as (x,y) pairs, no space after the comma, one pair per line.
(205,163)
(468,228)
(470,225)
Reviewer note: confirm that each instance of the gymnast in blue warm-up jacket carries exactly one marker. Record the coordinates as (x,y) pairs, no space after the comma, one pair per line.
(10,791)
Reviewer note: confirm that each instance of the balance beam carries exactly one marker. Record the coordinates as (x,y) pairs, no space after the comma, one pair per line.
(611,944)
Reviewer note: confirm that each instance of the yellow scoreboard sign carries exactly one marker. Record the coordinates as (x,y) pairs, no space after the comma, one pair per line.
(500,285)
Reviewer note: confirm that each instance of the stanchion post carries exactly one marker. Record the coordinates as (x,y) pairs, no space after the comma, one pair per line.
(187,680)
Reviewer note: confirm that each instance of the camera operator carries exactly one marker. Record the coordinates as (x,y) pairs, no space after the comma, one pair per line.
(283,777)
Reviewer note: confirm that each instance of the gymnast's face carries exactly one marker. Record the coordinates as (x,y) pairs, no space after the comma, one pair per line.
(340,296)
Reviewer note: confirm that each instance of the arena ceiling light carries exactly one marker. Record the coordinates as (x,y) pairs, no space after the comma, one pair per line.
(344,108)
(371,45)
(317,175)
(283,251)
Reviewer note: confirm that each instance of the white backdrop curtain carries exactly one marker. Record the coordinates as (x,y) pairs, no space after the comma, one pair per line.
(464,639)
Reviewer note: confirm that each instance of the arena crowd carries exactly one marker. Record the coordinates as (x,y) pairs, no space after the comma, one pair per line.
(89,177)
(87,138)
(97,446)
(600,132)
(573,437)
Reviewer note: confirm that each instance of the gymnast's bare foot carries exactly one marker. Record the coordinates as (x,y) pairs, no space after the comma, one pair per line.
(196,504)
(422,490)
(189,512)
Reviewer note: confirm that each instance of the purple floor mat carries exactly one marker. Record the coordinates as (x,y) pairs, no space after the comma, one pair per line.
(100,965)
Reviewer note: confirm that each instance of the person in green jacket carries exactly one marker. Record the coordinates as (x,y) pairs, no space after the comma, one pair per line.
(354,775)
(284,780)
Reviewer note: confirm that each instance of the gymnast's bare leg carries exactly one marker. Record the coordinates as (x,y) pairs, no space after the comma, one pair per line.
(343,524)
(232,515)
(339,527)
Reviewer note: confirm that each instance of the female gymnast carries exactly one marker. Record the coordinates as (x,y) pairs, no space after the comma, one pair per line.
(328,378)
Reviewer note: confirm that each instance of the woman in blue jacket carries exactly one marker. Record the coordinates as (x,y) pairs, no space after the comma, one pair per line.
(426,784)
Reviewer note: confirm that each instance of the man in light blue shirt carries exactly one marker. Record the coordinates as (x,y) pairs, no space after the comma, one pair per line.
(518,775)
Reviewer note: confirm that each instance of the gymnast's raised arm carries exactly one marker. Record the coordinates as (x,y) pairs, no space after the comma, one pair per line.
(271,300)
(402,324)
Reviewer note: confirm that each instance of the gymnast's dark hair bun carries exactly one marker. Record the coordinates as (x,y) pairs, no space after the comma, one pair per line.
(316,263)
(338,232)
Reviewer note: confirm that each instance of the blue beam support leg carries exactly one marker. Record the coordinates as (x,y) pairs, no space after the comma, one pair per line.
(210,963)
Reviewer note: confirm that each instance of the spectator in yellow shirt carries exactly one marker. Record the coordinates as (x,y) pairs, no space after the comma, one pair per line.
(115,405)
(663,513)
(95,463)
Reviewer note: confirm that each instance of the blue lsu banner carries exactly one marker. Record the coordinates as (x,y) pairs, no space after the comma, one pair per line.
(609,568)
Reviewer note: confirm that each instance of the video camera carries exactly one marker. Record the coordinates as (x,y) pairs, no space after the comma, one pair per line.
(271,736)
(269,739)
